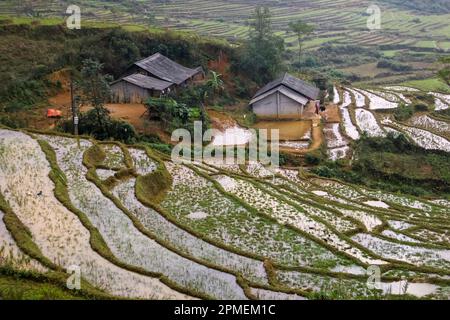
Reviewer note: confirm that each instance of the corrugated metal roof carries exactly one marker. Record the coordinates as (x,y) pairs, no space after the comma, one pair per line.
(293,83)
(284,90)
(147,82)
(166,69)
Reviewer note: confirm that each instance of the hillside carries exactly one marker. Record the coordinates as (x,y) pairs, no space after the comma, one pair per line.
(411,31)
(34,77)
(35,62)
(435,6)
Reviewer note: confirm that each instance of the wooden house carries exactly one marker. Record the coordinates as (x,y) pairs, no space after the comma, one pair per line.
(284,98)
(152,77)
(137,88)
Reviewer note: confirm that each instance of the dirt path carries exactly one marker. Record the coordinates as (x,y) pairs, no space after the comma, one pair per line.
(289,130)
(61,102)
(316,136)
(220,120)
(331,114)
(134,113)
(131,113)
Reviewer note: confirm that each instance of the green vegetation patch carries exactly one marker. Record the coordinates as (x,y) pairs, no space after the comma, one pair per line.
(393,164)
(431,84)
(22,235)
(15,287)
(95,155)
(155,184)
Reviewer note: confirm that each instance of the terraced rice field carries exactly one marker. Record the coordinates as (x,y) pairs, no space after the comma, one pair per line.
(211,231)
(337,145)
(369,111)
(339,21)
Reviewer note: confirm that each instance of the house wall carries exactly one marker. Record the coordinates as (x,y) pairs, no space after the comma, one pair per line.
(199,76)
(267,107)
(289,108)
(278,106)
(125,92)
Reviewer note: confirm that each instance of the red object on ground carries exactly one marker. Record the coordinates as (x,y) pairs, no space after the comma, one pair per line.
(53,113)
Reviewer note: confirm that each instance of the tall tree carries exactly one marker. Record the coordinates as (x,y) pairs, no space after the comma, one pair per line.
(95,90)
(301,30)
(261,54)
(150,17)
(444,73)
(261,24)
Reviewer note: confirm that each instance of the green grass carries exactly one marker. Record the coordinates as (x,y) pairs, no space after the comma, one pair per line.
(22,235)
(220,18)
(426,44)
(395,165)
(13,287)
(155,184)
(444,45)
(47,21)
(390,53)
(431,84)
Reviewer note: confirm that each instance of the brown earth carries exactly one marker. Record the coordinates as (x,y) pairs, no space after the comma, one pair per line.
(331,114)
(316,137)
(290,130)
(220,121)
(135,114)
(36,118)
(62,76)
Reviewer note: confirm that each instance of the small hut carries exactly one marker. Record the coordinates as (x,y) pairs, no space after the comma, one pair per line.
(284,98)
(137,88)
(152,77)
(163,68)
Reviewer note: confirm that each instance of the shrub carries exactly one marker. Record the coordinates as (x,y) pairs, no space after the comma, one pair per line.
(243,89)
(424,98)
(323,171)
(403,112)
(101,129)
(313,158)
(13,122)
(308,62)
(122,131)
(150,138)
(250,118)
(395,66)
(330,90)
(162,147)
(21,95)
(190,96)
(420,107)
(290,159)
(174,115)
(6,21)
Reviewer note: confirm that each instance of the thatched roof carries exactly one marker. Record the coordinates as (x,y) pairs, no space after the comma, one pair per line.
(166,69)
(146,82)
(293,83)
